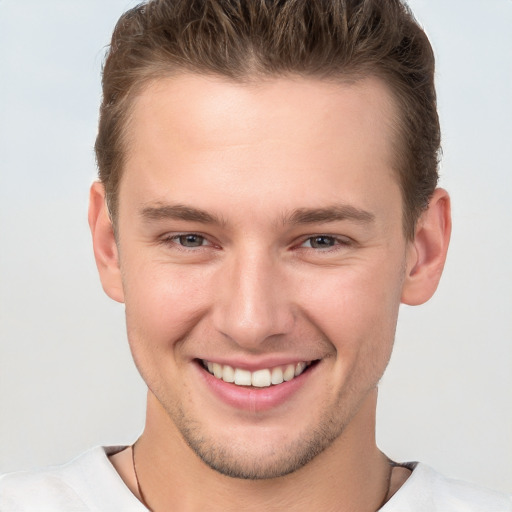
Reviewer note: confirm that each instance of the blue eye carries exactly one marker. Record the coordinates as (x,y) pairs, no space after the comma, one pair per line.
(320,242)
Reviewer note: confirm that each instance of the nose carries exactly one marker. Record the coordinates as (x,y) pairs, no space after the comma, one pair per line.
(252,304)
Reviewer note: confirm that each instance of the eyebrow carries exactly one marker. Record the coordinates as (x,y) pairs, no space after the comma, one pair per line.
(296,217)
(179,212)
(329,214)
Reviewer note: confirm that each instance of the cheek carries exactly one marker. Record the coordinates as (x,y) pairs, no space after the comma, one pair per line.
(357,313)
(357,307)
(164,306)
(163,302)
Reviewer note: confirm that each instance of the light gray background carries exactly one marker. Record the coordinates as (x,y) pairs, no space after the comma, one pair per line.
(66,377)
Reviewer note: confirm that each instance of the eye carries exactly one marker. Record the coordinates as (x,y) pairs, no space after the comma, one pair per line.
(190,240)
(185,241)
(321,242)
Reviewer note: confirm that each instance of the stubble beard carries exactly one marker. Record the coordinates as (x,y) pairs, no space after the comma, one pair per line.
(236,460)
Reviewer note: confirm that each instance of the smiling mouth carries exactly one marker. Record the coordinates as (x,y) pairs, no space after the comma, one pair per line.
(263,378)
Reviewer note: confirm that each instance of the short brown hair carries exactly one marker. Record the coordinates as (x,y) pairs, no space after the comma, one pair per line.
(240,39)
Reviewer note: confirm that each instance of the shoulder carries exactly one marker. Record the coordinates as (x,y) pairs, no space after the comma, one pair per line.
(37,491)
(426,490)
(87,483)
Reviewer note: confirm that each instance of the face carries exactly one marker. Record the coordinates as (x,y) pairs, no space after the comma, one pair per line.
(262,259)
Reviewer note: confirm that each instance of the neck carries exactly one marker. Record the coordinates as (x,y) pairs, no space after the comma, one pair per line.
(351,474)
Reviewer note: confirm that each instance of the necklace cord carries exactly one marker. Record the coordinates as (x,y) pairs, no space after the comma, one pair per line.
(139,490)
(386,498)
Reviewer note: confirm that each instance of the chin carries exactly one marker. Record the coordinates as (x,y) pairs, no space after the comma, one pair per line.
(255,465)
(251,456)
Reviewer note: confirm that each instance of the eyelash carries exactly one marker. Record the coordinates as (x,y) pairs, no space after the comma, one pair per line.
(337,242)
(175,241)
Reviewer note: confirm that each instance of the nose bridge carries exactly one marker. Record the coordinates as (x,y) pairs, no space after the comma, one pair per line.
(252,303)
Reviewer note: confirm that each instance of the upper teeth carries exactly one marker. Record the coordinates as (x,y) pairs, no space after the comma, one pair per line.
(259,378)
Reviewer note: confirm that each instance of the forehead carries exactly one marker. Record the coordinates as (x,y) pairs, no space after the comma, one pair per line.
(285,134)
(191,104)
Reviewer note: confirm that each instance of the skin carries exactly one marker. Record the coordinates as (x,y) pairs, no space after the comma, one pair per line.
(263,283)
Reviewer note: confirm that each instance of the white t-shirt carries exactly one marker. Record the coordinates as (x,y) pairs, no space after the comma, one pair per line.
(90,483)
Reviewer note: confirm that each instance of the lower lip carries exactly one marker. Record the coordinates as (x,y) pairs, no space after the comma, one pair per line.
(254,399)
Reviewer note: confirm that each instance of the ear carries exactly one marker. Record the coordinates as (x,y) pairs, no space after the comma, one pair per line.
(427,252)
(104,244)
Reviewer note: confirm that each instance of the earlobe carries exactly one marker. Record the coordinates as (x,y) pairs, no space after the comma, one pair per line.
(427,252)
(104,244)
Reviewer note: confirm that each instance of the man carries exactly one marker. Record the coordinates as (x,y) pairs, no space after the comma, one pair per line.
(267,199)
